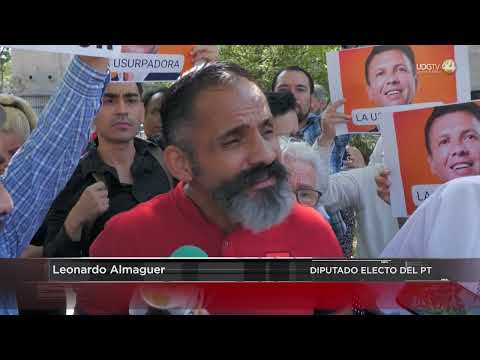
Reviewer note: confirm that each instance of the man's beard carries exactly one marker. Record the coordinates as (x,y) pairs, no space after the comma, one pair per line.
(267,207)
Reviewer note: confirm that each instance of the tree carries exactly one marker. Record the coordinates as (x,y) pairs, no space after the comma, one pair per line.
(263,61)
(365,143)
(5,67)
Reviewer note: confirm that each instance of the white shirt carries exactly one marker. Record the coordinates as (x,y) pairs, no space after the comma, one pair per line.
(446,225)
(357,188)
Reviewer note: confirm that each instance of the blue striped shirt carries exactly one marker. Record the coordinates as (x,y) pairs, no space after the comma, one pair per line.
(44,164)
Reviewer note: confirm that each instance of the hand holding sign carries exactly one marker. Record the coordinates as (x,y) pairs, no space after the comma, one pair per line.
(330,119)
(383,185)
(205,53)
(98,63)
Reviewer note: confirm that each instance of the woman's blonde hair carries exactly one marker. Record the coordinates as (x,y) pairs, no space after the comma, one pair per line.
(19,116)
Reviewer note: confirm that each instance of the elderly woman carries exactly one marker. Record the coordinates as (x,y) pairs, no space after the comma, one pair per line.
(17,121)
(305,171)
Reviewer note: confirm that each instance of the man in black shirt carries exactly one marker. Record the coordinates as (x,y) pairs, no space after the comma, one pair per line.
(118,174)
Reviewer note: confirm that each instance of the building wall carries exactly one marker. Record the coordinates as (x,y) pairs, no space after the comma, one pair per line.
(475,67)
(36,75)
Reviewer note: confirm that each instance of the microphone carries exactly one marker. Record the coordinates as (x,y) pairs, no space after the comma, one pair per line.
(188,251)
(176,300)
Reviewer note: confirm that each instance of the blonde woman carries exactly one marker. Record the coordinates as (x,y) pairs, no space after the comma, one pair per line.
(16,125)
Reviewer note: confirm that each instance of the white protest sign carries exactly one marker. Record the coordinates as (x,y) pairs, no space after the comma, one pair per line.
(108,51)
(142,63)
(373,116)
(148,67)
(420,193)
(399,197)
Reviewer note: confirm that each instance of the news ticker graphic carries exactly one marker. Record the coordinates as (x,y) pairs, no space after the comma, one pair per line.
(238,285)
(236,270)
(259,270)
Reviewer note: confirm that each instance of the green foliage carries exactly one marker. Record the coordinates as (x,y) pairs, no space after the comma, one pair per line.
(365,143)
(5,68)
(263,61)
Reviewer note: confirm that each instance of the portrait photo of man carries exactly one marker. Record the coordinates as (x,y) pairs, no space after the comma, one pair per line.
(391,76)
(452,139)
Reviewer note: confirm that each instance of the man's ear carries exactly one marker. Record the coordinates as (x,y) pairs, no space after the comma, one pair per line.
(178,163)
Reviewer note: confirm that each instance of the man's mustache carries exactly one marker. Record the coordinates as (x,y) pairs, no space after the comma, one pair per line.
(123,119)
(249,177)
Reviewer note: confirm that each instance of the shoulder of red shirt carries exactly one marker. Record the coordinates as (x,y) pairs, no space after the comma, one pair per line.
(304,224)
(312,228)
(124,226)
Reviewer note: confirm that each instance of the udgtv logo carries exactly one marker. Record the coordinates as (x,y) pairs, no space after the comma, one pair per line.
(448,66)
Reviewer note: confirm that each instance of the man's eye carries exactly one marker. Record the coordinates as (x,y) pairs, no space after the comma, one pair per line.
(107,101)
(379,73)
(443,142)
(231,142)
(268,132)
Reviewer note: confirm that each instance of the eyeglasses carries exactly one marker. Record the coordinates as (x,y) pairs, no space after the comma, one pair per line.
(308,197)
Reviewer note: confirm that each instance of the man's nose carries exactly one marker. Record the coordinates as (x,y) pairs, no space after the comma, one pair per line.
(460,150)
(393,78)
(121,107)
(262,151)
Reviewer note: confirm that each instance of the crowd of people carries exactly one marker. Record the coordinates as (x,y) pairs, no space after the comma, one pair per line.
(234,169)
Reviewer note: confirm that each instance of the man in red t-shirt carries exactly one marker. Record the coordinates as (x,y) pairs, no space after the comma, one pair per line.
(233,198)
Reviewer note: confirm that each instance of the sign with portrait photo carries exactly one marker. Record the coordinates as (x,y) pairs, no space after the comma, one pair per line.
(426,147)
(372,78)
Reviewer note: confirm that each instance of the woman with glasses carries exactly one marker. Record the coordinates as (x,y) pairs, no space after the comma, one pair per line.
(304,167)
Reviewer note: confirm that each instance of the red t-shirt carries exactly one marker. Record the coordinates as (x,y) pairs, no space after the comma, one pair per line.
(158,227)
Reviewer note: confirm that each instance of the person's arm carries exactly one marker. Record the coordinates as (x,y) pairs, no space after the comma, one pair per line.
(57,243)
(32,251)
(339,190)
(41,168)
(77,207)
(377,154)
